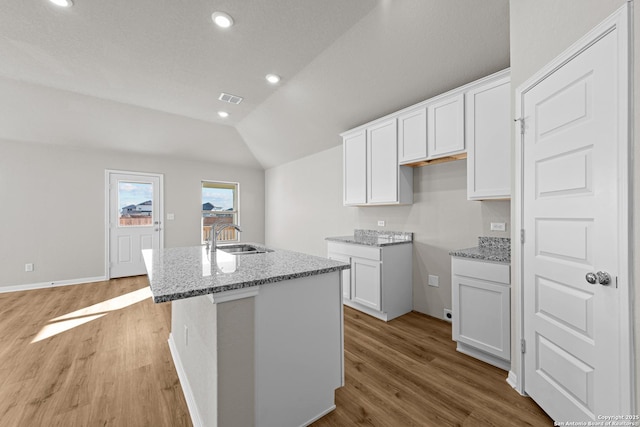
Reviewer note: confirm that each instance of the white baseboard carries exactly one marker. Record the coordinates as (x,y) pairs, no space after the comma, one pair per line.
(184,383)
(512,379)
(53,284)
(317,417)
(505,365)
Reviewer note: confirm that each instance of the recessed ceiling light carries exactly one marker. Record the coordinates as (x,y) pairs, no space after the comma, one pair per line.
(272,78)
(223,114)
(62,3)
(222,20)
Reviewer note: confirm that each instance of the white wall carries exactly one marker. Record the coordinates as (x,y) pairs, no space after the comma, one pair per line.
(541,30)
(52,202)
(304,205)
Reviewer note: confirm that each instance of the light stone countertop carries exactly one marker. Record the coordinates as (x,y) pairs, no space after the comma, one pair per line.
(375,238)
(178,273)
(496,249)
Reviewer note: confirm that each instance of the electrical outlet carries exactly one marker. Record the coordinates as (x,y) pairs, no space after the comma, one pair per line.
(381,223)
(448,316)
(186,336)
(498,226)
(434,280)
(28,267)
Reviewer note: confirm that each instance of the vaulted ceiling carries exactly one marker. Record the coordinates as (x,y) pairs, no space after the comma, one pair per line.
(145,75)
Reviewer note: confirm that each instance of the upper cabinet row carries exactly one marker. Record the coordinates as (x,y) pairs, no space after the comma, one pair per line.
(472,121)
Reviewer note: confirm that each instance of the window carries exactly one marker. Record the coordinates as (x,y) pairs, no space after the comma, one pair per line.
(135,201)
(219,206)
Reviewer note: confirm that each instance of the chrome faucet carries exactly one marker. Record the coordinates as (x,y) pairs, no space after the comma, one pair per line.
(215,231)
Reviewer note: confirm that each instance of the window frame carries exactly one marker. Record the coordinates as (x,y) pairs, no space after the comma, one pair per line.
(235,186)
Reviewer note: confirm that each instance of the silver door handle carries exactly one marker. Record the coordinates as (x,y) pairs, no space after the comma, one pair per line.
(601,277)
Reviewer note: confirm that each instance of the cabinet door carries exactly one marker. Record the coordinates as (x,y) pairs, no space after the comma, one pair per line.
(382,162)
(366,282)
(446,126)
(346,274)
(355,168)
(481,315)
(488,129)
(412,136)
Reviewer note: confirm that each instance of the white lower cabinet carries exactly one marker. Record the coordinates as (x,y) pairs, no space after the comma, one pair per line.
(380,280)
(366,282)
(482,310)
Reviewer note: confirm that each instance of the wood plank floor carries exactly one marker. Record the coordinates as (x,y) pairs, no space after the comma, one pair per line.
(407,373)
(115,369)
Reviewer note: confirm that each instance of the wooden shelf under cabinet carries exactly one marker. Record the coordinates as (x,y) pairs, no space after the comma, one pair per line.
(452,158)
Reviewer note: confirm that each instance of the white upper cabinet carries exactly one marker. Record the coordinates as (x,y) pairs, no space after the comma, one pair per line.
(488,136)
(382,159)
(355,168)
(372,175)
(412,135)
(446,126)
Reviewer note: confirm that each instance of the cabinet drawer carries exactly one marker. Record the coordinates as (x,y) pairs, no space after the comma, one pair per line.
(367,252)
(480,269)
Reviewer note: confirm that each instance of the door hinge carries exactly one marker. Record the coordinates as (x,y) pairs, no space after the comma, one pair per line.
(522,235)
(521,120)
(523,346)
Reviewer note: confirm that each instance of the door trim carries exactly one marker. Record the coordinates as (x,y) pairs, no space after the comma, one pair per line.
(107,205)
(620,20)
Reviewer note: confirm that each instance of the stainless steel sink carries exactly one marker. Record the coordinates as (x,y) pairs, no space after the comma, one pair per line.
(243,249)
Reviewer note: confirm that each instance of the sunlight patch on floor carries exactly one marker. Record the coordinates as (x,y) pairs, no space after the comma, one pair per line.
(87,314)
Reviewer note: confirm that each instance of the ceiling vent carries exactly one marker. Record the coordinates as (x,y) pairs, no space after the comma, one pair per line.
(232,99)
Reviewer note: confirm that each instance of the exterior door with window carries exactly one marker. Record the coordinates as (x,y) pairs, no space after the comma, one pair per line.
(134,221)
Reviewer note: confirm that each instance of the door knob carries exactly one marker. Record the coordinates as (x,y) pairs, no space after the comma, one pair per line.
(601,277)
(604,278)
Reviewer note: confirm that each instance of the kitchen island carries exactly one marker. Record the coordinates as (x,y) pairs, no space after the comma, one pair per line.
(256,338)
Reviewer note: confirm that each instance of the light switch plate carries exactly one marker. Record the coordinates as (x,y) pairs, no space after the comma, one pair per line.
(170,217)
(380,223)
(498,226)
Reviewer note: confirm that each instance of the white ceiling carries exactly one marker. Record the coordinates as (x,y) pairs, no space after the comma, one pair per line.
(144,75)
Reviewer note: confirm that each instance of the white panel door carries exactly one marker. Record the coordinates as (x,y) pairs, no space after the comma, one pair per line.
(134,221)
(572,190)
(446,126)
(382,162)
(355,168)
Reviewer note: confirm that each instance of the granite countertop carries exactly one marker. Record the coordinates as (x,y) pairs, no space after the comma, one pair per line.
(496,249)
(375,238)
(177,273)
